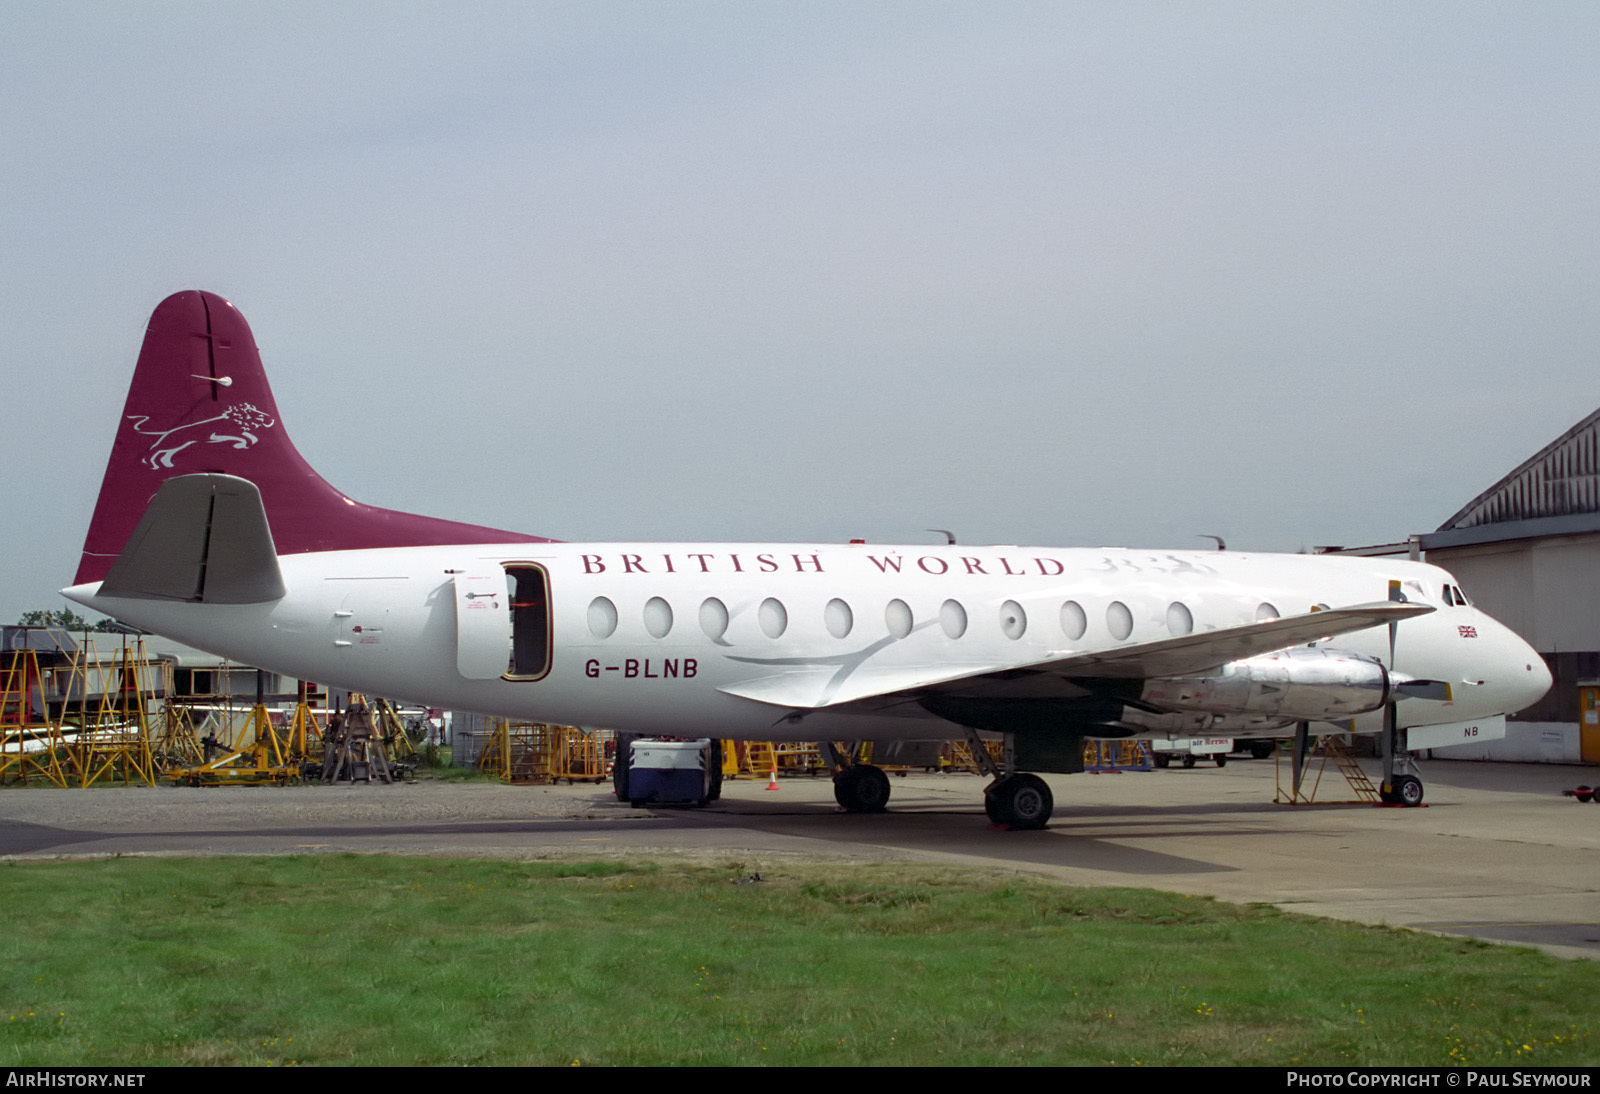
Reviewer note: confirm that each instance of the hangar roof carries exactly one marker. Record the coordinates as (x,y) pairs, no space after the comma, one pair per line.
(1554,492)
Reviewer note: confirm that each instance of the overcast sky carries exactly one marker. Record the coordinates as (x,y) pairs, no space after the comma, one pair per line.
(1054,273)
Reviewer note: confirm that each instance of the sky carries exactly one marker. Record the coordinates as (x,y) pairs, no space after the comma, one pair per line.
(1039,273)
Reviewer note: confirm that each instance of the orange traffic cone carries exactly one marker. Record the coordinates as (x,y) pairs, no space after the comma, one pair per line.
(772,784)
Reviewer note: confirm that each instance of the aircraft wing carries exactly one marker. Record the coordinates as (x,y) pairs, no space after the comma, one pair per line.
(815,683)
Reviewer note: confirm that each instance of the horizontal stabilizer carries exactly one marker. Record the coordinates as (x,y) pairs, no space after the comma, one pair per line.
(203,539)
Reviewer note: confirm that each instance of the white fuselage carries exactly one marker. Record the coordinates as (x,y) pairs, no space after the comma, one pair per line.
(766,641)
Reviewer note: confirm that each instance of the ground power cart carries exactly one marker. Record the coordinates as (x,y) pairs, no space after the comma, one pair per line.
(672,773)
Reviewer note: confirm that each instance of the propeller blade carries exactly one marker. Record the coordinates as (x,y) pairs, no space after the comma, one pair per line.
(1391,709)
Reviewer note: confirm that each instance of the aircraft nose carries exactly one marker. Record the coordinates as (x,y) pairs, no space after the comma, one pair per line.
(1539,678)
(1528,677)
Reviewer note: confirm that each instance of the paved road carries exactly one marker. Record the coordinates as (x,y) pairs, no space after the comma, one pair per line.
(1498,853)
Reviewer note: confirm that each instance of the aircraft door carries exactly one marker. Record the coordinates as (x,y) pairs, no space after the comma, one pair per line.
(483,623)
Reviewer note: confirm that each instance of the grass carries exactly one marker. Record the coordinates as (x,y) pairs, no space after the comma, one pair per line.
(387,960)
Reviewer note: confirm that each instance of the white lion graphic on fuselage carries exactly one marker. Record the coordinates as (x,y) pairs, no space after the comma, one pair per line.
(244,418)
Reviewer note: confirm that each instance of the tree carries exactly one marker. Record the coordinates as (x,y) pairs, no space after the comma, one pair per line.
(67,619)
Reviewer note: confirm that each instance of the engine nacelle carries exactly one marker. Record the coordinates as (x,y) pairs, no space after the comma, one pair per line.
(1302,684)
(1197,723)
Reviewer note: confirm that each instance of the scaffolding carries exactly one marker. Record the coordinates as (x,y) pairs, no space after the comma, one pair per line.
(113,732)
(962,759)
(513,752)
(579,754)
(30,740)
(1106,756)
(534,752)
(75,718)
(176,743)
(757,759)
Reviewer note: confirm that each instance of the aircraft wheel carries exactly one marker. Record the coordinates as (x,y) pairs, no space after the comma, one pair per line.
(1222,760)
(1408,790)
(991,808)
(1161,759)
(1260,750)
(715,760)
(1188,761)
(861,788)
(1021,801)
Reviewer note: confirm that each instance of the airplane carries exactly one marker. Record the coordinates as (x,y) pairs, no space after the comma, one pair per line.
(211,529)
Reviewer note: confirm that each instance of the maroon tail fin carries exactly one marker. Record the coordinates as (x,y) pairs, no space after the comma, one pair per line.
(200,403)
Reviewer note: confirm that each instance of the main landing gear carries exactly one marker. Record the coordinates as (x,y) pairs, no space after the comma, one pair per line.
(861,788)
(858,788)
(1019,801)
(1014,800)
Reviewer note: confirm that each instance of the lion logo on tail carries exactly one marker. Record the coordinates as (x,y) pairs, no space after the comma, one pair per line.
(246,423)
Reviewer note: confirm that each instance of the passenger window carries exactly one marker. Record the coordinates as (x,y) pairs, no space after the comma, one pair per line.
(713,618)
(774,617)
(897,617)
(838,617)
(602,617)
(1119,620)
(657,617)
(1013,620)
(953,618)
(1180,620)
(1074,620)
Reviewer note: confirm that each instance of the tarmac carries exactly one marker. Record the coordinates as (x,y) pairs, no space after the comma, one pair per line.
(1496,852)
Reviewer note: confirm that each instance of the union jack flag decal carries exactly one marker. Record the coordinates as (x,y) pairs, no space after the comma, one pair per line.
(1467,632)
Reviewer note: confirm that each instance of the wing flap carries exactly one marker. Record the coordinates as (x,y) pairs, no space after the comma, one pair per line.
(812,687)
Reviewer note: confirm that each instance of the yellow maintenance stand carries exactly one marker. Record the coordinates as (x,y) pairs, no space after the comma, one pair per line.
(261,753)
(1328,749)
(30,740)
(113,738)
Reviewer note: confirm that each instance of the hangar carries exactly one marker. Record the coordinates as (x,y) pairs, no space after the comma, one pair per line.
(1527,551)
